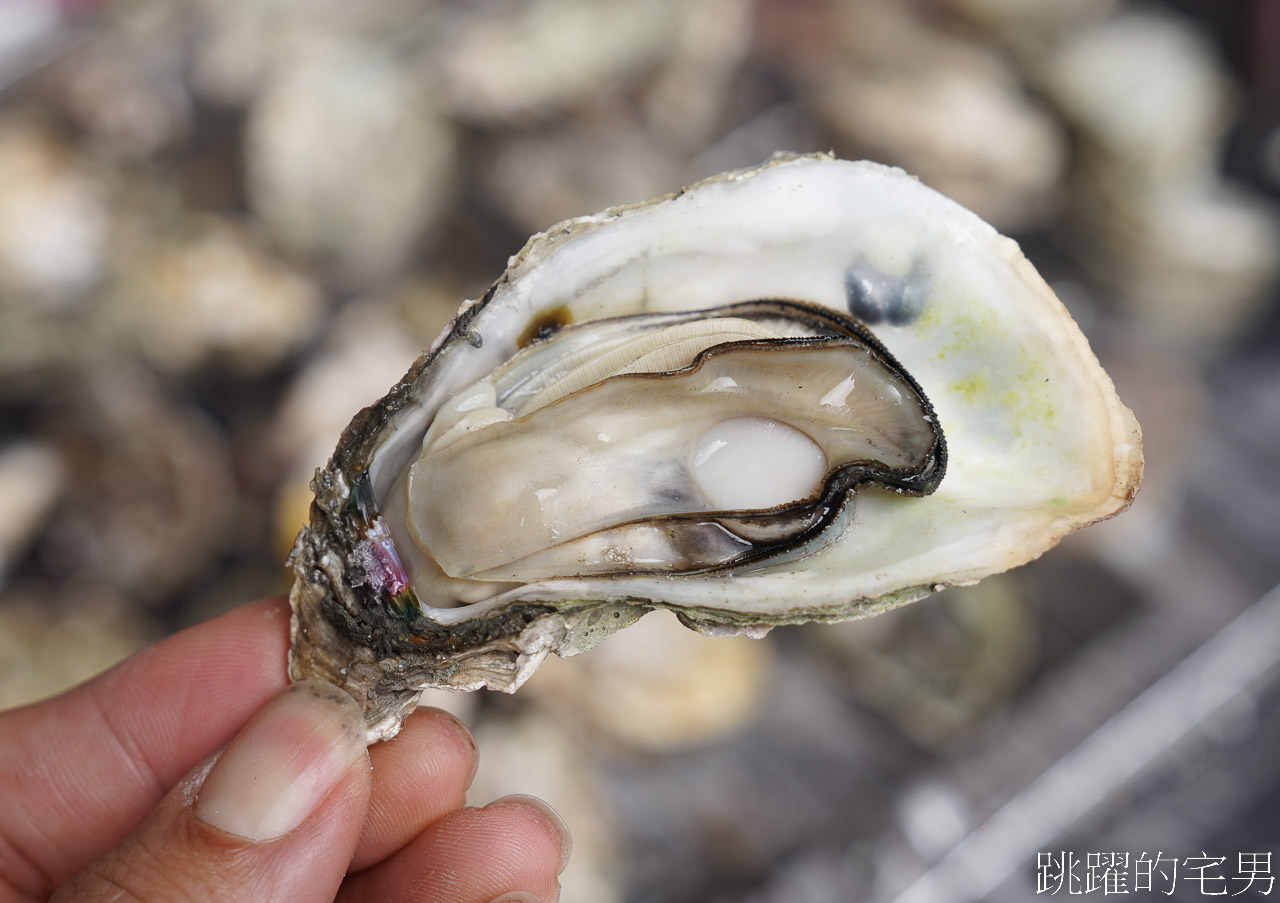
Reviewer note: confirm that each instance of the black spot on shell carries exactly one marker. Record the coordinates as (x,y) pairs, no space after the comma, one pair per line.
(545,325)
(875,298)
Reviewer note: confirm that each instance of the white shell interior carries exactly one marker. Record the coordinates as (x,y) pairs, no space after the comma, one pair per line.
(1038,442)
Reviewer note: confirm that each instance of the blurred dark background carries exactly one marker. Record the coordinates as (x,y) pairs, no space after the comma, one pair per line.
(226,225)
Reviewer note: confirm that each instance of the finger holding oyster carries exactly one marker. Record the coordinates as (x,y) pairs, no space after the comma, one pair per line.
(813,390)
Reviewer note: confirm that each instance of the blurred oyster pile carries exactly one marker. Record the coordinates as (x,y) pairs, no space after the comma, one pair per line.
(227,224)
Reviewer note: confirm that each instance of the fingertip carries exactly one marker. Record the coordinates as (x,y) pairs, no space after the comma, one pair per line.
(552,824)
(284,763)
(419,776)
(516,844)
(453,732)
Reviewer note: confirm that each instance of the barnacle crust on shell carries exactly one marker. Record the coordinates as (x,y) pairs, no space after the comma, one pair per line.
(812,390)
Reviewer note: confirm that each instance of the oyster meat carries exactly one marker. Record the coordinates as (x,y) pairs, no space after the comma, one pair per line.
(812,390)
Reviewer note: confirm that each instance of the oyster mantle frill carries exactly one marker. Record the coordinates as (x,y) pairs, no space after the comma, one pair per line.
(813,390)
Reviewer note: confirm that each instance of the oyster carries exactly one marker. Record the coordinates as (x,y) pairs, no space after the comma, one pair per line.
(730,403)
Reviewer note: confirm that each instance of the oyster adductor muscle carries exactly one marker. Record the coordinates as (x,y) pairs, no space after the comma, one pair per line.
(694,404)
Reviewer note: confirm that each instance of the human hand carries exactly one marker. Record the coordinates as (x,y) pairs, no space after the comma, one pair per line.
(118,789)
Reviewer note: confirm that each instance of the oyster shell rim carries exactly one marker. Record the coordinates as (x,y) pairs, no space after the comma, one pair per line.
(505,646)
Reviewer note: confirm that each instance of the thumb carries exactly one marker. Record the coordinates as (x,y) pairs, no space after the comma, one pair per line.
(274,816)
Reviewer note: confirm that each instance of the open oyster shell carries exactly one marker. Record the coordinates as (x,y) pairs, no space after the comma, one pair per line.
(595,437)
